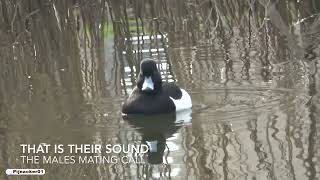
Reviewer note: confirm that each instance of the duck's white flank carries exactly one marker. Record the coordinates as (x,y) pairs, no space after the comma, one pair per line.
(184,102)
(184,116)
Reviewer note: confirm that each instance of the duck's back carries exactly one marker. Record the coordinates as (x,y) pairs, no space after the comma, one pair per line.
(172,90)
(178,96)
(145,103)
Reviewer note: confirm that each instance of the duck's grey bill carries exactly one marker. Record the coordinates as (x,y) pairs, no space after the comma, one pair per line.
(147,84)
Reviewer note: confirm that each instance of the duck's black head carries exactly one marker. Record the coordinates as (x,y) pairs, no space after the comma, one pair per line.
(149,80)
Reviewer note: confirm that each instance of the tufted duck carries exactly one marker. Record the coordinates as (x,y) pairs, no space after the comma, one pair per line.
(152,96)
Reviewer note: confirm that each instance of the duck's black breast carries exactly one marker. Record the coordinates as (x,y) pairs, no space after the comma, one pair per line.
(148,103)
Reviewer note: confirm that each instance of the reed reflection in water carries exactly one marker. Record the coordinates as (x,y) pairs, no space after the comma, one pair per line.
(252,68)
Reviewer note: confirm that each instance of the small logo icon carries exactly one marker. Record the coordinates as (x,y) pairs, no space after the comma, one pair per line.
(28,172)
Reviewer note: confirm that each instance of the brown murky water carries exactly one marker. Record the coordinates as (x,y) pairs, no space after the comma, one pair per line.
(251,67)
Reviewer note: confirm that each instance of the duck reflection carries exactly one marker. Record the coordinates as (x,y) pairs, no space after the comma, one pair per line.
(156,129)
